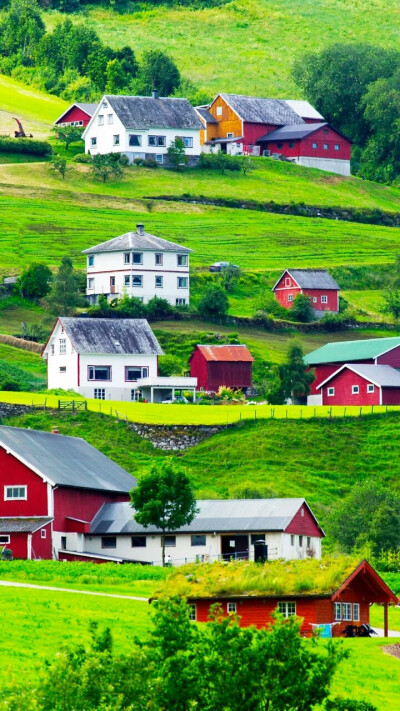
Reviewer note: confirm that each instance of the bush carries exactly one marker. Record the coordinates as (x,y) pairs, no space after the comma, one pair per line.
(123,160)
(219,161)
(83,158)
(10,385)
(25,145)
(145,162)
(158,309)
(334,322)
(214,304)
(301,310)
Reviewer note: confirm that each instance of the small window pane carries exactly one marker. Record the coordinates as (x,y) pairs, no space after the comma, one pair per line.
(300,541)
(100,120)
(198,540)
(91,261)
(109,542)
(325,146)
(170,541)
(338,611)
(182,282)
(159,259)
(192,613)
(127,280)
(315,145)
(138,541)
(292,540)
(93,141)
(355,389)
(116,140)
(159,158)
(231,608)
(337,147)
(137,257)
(159,282)
(347,611)
(137,281)
(356,612)
(127,258)
(291,609)
(182,260)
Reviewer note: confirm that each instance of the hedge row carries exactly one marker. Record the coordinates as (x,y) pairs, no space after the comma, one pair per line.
(25,145)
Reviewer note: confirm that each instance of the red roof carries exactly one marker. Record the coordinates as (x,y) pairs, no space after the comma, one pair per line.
(226,353)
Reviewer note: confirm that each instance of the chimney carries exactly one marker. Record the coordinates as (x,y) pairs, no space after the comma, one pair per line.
(154,94)
(140,229)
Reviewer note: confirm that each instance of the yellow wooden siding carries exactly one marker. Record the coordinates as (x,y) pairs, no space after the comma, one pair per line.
(228,121)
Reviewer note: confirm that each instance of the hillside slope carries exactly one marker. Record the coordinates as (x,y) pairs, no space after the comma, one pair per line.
(36,109)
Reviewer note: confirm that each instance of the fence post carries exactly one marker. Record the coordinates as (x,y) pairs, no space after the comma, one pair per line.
(315,411)
(360,410)
(344,412)
(59,404)
(45,401)
(286,413)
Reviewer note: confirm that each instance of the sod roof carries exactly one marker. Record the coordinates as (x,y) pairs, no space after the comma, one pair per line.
(351,351)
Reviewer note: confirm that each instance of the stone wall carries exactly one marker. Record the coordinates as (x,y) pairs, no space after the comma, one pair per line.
(9,410)
(175,437)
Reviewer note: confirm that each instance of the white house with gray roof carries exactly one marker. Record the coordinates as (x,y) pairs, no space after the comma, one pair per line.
(109,359)
(143,127)
(140,265)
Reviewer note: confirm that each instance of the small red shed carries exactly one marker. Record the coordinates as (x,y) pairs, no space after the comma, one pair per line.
(337,593)
(317,284)
(225,365)
(361,384)
(77,115)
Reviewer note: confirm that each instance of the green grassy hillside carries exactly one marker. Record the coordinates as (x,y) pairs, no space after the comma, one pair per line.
(35,109)
(247,46)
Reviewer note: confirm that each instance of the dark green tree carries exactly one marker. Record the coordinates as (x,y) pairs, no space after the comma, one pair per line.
(35,281)
(369,514)
(301,309)
(381,104)
(59,165)
(65,295)
(164,498)
(158,309)
(177,154)
(291,380)
(106,167)
(21,28)
(128,61)
(391,307)
(115,77)
(157,71)
(214,304)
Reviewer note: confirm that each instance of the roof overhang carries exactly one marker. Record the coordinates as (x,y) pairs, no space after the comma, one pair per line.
(375,582)
(354,370)
(26,463)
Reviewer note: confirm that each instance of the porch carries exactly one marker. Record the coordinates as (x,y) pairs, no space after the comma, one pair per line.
(158,389)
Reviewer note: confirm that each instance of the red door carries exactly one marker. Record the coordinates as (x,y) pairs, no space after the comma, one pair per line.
(112,285)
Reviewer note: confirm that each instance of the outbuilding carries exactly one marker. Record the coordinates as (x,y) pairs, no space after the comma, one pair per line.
(77,115)
(317,284)
(225,365)
(361,384)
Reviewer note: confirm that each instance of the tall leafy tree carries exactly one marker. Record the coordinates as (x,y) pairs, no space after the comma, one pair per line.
(214,304)
(35,281)
(157,71)
(291,380)
(65,295)
(164,498)
(21,28)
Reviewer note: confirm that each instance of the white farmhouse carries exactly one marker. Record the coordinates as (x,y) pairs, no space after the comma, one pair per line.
(109,359)
(143,127)
(221,530)
(141,265)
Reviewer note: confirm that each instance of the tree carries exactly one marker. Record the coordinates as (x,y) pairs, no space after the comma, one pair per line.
(301,309)
(106,167)
(164,498)
(116,78)
(59,165)
(368,515)
(291,379)
(391,297)
(230,276)
(35,282)
(157,71)
(65,296)
(21,28)
(214,304)
(176,154)
(67,134)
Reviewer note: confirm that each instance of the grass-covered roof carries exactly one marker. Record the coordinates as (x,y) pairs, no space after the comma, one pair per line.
(294,577)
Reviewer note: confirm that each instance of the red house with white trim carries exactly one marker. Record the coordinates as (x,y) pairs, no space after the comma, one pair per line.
(360,384)
(228,365)
(77,115)
(317,284)
(51,488)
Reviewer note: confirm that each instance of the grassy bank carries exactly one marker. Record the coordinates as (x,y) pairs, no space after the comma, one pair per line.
(36,109)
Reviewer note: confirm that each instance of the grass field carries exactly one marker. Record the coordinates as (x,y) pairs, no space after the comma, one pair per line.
(35,109)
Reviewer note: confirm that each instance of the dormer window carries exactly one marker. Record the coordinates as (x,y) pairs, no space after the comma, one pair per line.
(105,105)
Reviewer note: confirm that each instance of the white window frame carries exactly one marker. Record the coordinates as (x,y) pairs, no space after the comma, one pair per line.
(330,392)
(181,260)
(324,299)
(180,302)
(347,612)
(370,388)
(229,135)
(93,141)
(15,498)
(127,280)
(159,158)
(99,394)
(90,260)
(110,119)
(90,283)
(43,533)
(116,139)
(285,610)
(127,257)
(91,370)
(337,147)
(185,279)
(338,611)
(4,542)
(314,298)
(156,141)
(231,608)
(192,612)
(290,297)
(100,120)
(355,389)
(63,369)
(158,259)
(139,139)
(138,277)
(161,279)
(356,612)
(137,254)
(62,343)
(52,349)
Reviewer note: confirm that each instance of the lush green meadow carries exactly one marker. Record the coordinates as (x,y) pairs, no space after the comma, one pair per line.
(35,109)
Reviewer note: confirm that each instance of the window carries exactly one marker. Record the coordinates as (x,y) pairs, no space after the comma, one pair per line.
(188,140)
(127,280)
(43,533)
(15,492)
(279,145)
(63,346)
(346,611)
(170,541)
(110,119)
(314,298)
(291,144)
(137,258)
(116,140)
(287,281)
(127,258)
(308,541)
(63,368)
(156,140)
(99,394)
(138,541)
(182,282)
(370,388)
(93,141)
(192,612)
(338,611)
(287,609)
(159,158)
(104,104)
(136,395)
(231,608)
(182,260)
(301,541)
(158,260)
(326,130)
(90,261)
(302,513)
(159,282)
(180,302)
(4,540)
(331,392)
(137,280)
(290,297)
(324,299)
(315,145)
(292,540)
(325,146)
(355,389)
(63,543)
(219,110)
(100,120)
(198,540)
(135,372)
(108,541)
(90,283)
(257,537)
(356,612)
(52,349)
(135,140)
(229,135)
(337,147)
(99,372)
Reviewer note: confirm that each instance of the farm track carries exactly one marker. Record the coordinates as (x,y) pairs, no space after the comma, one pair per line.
(11,584)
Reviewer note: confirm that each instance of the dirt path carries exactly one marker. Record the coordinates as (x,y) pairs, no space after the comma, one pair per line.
(9,583)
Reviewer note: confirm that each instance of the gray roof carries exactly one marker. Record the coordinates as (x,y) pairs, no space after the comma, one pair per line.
(219,515)
(108,335)
(257,110)
(66,461)
(380,375)
(88,108)
(304,109)
(146,112)
(137,241)
(207,116)
(311,279)
(22,525)
(292,131)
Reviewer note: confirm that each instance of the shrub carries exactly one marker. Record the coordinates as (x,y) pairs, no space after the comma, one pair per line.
(158,309)
(145,162)
(219,161)
(83,158)
(214,304)
(25,145)
(10,385)
(301,309)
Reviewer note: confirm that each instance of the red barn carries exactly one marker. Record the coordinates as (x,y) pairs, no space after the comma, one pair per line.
(317,284)
(77,115)
(226,365)
(52,487)
(360,384)
(329,608)
(327,360)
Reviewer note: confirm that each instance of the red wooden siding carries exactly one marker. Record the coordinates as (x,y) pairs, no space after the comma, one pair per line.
(253,131)
(287,286)
(321,373)
(42,547)
(293,148)
(390,396)
(14,473)
(198,369)
(392,358)
(343,383)
(212,374)
(85,558)
(19,545)
(304,524)
(80,503)
(75,114)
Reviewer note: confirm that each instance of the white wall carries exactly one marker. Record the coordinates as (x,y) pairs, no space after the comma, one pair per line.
(314,400)
(111,264)
(333,165)
(117,388)
(67,380)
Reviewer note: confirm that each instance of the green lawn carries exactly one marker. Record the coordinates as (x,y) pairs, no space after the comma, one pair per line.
(367,305)
(35,109)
